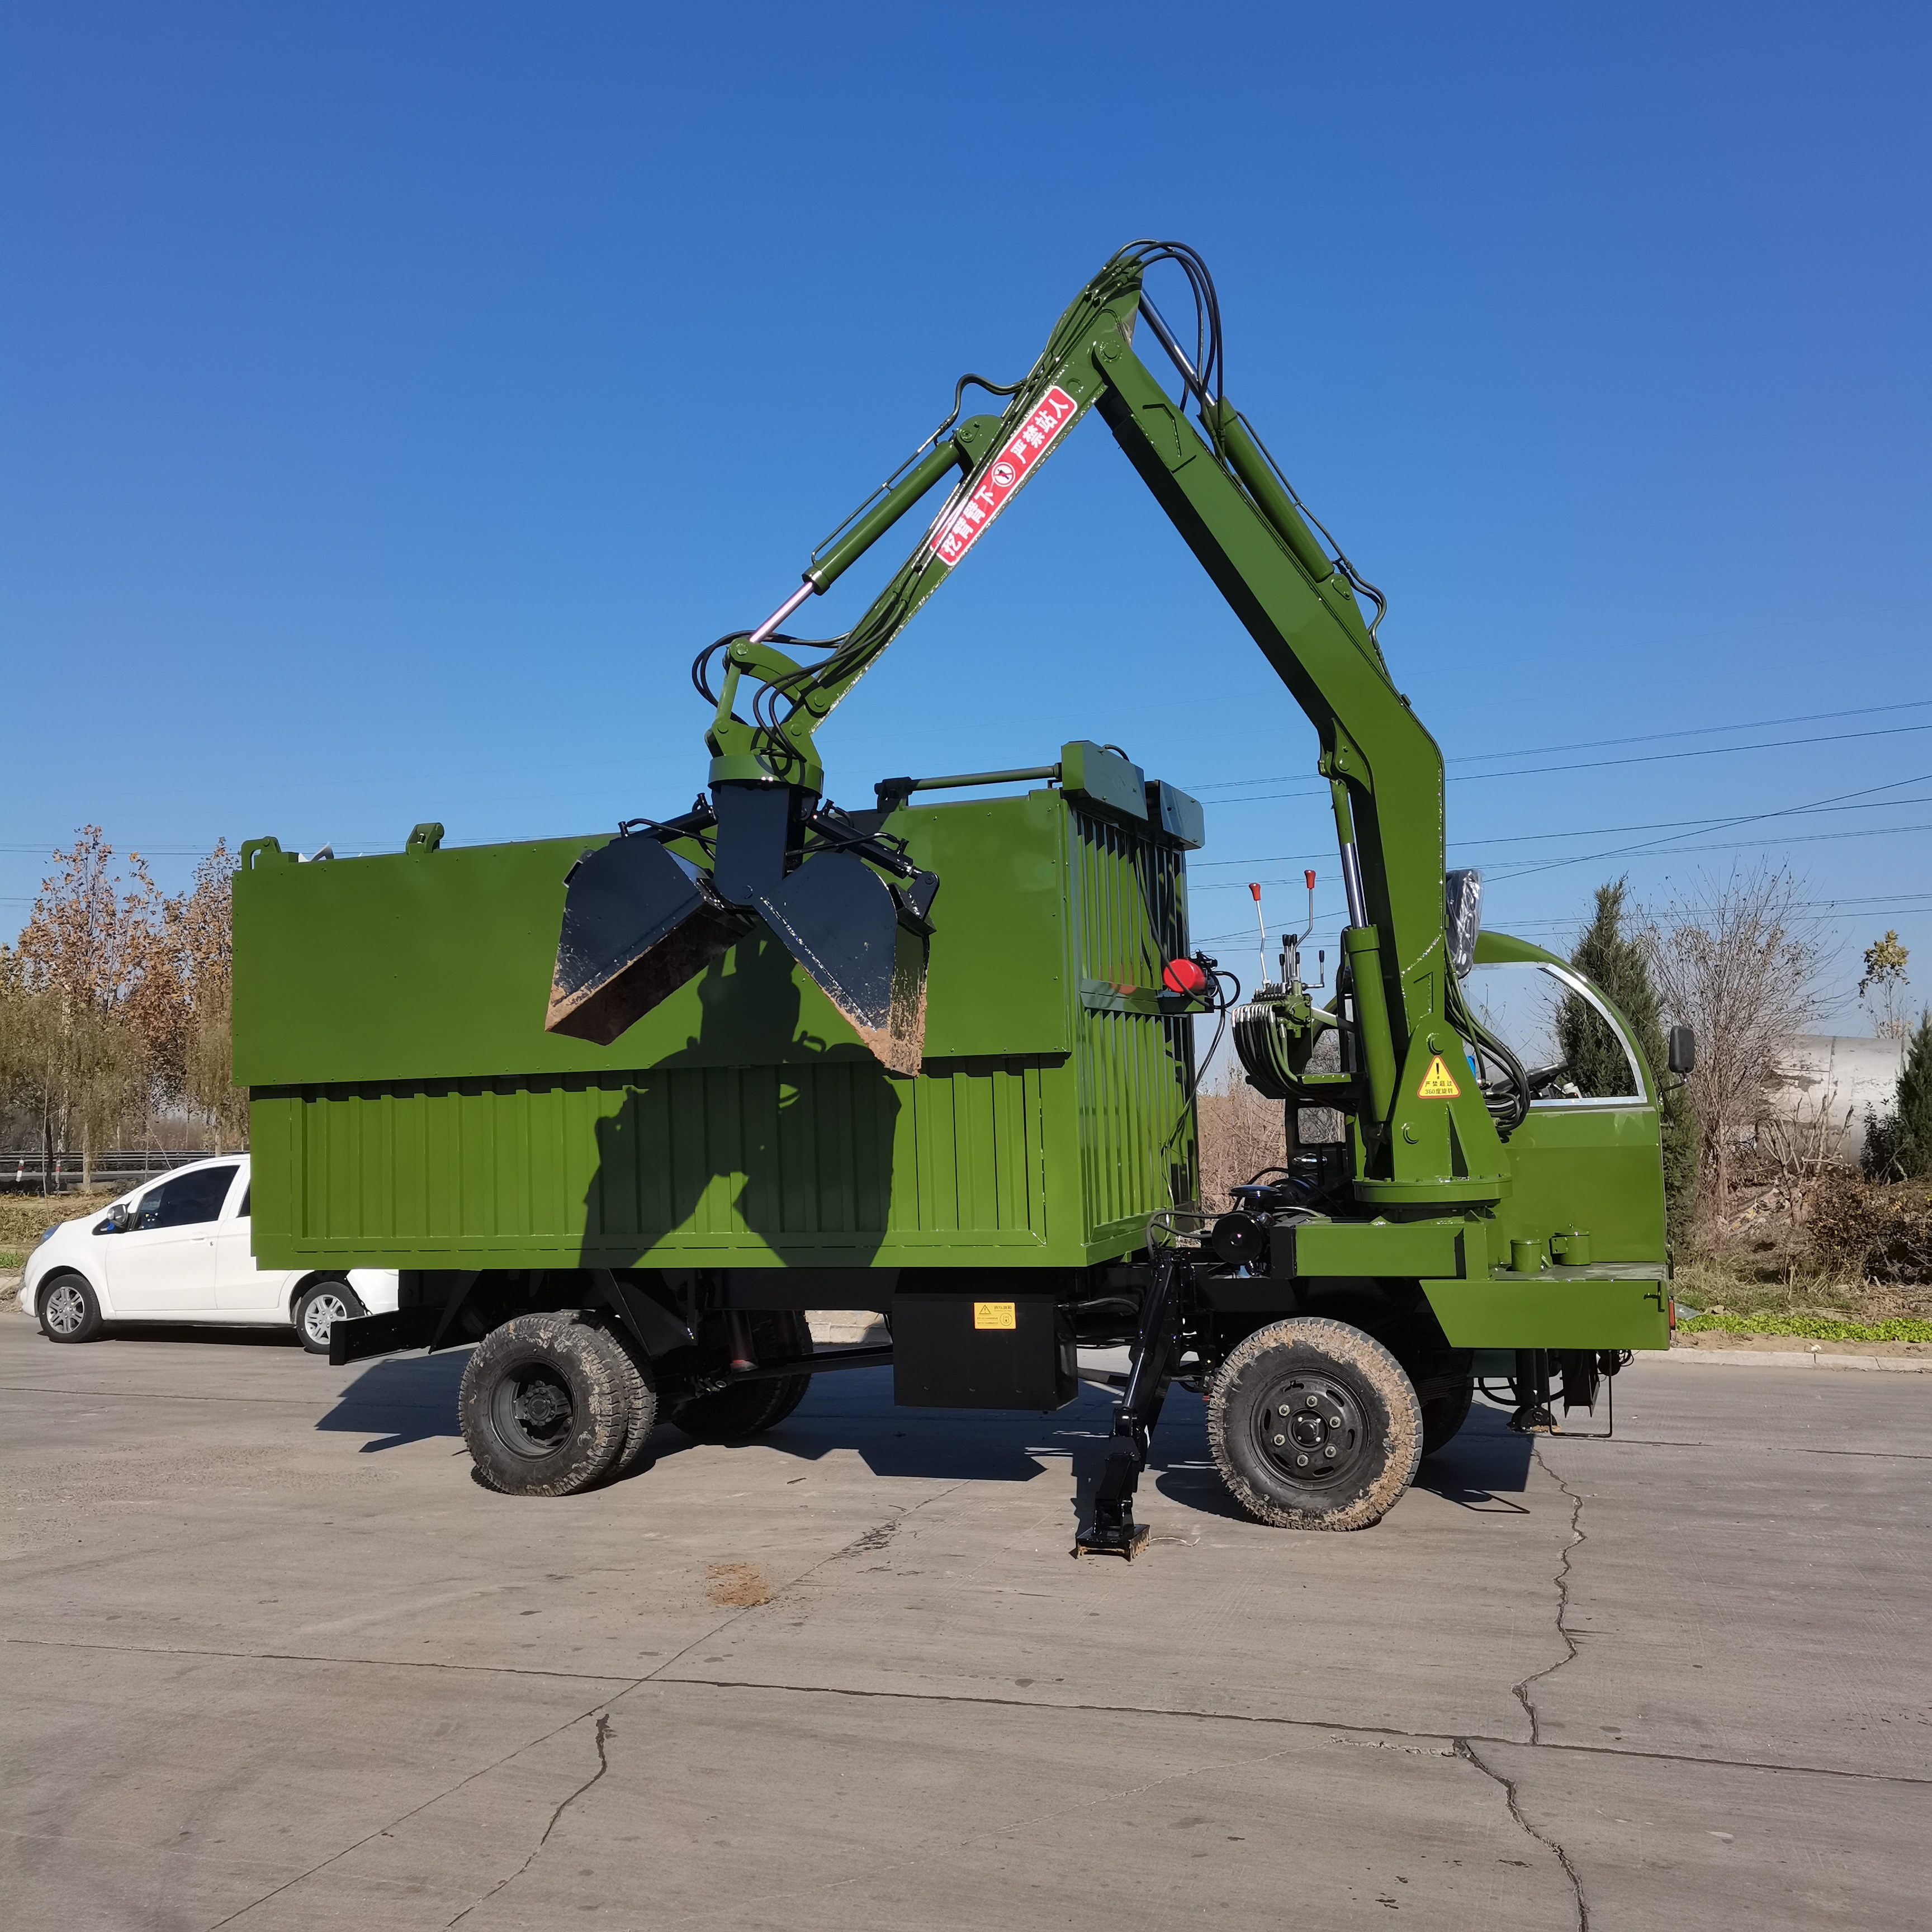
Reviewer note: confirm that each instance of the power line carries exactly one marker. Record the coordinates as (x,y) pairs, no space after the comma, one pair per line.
(1499,876)
(1847,908)
(1646,738)
(1735,845)
(1687,826)
(1747,818)
(1601,764)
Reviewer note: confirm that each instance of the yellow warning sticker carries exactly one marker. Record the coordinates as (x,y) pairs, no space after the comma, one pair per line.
(995,1315)
(1438,1083)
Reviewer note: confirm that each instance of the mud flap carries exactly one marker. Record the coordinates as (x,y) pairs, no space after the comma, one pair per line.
(862,944)
(638,922)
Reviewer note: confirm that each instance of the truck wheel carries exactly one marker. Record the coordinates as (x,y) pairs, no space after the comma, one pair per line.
(543,1405)
(1443,1416)
(640,1394)
(734,1415)
(323,1303)
(69,1312)
(1313,1426)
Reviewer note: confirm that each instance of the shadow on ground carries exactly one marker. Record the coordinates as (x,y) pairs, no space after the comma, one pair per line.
(401,1399)
(407,1399)
(147,1332)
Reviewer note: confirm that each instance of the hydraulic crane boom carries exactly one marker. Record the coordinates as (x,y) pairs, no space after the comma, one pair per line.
(640,922)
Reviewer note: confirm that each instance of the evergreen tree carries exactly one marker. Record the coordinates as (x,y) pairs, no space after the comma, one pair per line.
(1616,963)
(1899,1146)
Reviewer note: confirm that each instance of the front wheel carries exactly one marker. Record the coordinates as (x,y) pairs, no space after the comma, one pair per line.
(1313,1425)
(69,1310)
(322,1305)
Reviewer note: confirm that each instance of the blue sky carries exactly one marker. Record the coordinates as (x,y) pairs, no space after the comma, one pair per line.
(395,398)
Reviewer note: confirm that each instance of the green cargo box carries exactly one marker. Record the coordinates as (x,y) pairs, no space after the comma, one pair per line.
(408,1110)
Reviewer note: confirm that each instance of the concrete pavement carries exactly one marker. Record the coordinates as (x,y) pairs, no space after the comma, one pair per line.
(274,1660)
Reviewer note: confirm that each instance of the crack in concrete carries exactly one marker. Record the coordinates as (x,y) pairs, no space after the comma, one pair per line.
(1521,1690)
(1465,1750)
(603,1764)
(415,1810)
(1083,1705)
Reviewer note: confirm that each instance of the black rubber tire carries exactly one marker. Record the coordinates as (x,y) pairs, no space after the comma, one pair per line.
(1361,1403)
(79,1313)
(544,1405)
(640,1394)
(737,1415)
(318,1295)
(1443,1416)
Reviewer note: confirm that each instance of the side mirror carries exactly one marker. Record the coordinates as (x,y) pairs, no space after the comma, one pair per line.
(1683,1044)
(120,1218)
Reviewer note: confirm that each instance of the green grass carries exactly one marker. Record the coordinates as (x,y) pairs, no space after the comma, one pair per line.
(10,1259)
(1811,1328)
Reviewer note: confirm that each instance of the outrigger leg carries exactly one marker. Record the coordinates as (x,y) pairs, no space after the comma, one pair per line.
(1113,1530)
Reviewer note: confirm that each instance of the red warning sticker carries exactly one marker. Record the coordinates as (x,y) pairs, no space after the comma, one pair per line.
(971,513)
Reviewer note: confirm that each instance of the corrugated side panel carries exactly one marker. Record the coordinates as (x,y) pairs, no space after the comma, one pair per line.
(829,1164)
(1129,905)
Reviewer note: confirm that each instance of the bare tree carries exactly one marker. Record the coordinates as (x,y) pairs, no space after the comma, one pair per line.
(1240,1134)
(79,958)
(1739,964)
(1803,1147)
(180,997)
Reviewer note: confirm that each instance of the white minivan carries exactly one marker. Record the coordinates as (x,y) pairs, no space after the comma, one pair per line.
(178,1250)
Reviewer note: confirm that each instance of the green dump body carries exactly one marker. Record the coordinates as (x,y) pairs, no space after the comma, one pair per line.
(408,1110)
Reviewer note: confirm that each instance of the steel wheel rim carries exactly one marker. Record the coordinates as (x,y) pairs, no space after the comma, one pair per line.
(1313,1428)
(533,1411)
(66,1309)
(324,1312)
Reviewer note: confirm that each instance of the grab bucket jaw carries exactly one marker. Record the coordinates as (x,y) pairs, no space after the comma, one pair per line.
(639,921)
(864,946)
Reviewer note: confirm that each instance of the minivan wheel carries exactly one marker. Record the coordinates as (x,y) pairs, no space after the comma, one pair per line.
(68,1310)
(322,1304)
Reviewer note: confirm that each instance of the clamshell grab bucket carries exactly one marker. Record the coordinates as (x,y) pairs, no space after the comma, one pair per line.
(638,922)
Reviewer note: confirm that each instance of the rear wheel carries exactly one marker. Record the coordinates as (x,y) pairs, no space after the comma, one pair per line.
(734,1415)
(321,1305)
(640,1393)
(69,1311)
(545,1405)
(1443,1416)
(1313,1425)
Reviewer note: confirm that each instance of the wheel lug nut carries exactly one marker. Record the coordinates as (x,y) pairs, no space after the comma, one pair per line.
(1311,1402)
(1301,1461)
(1280,1440)
(1284,1409)
(1331,1449)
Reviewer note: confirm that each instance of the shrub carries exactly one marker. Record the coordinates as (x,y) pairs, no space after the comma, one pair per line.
(1875,1232)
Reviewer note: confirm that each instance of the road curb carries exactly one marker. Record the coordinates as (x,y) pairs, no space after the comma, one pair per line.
(1791,1358)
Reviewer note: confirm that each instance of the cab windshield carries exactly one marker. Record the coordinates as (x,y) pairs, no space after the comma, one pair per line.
(1577,1055)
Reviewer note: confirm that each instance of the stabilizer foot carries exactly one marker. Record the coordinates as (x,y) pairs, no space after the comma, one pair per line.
(1127,1540)
(1114,1531)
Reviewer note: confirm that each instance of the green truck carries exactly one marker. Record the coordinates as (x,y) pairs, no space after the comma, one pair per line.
(622,1107)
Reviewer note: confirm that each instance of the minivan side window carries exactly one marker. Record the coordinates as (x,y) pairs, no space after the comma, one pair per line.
(187,1199)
